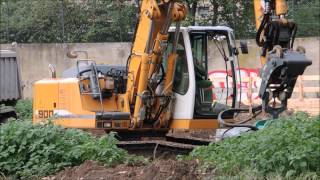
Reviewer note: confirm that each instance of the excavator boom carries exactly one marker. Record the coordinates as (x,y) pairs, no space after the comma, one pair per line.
(145,59)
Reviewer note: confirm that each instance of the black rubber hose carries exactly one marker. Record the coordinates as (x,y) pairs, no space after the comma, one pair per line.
(238,110)
(274,33)
(268,44)
(163,75)
(234,97)
(293,36)
(260,30)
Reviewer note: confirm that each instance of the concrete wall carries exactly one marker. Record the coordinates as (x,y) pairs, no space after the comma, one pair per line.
(35,58)
(312,46)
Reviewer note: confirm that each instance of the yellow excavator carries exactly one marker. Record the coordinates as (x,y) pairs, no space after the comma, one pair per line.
(165,83)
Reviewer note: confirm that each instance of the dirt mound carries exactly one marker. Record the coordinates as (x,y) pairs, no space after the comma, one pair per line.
(159,169)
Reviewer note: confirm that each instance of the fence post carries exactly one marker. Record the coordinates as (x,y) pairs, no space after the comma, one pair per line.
(301,92)
(250,94)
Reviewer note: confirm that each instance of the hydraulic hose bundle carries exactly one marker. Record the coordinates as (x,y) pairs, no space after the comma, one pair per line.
(256,111)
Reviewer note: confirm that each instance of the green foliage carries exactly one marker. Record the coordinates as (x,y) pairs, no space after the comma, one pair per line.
(50,21)
(288,147)
(110,21)
(30,21)
(37,150)
(239,15)
(256,175)
(306,13)
(24,109)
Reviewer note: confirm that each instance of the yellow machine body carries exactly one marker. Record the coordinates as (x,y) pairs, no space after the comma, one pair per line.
(61,101)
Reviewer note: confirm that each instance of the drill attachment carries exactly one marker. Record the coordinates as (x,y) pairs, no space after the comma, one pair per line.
(279,76)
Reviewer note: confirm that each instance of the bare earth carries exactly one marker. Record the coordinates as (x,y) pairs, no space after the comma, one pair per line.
(163,168)
(159,169)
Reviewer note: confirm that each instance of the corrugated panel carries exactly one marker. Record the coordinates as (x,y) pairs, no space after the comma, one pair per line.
(9,76)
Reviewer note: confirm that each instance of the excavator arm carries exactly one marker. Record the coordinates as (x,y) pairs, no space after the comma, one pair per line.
(145,60)
(281,63)
(272,26)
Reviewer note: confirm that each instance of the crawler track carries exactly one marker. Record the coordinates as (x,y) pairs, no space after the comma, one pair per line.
(155,144)
(167,146)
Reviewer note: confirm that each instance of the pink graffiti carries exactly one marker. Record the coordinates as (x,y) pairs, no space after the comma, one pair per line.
(219,82)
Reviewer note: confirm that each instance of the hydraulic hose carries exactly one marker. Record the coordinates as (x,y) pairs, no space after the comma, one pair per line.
(293,35)
(260,30)
(239,110)
(163,75)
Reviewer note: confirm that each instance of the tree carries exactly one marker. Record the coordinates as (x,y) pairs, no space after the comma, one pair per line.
(193,6)
(306,13)
(110,21)
(48,21)
(237,14)
(41,21)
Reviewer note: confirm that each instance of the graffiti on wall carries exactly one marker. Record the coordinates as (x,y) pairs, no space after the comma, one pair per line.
(222,86)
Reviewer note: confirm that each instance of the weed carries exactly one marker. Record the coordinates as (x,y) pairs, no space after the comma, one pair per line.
(288,147)
(38,150)
(24,109)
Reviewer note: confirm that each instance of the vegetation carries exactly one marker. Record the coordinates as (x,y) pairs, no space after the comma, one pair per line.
(30,151)
(59,21)
(306,14)
(38,150)
(49,21)
(287,147)
(24,109)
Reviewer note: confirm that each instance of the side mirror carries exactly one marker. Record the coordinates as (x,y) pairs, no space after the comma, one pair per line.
(244,47)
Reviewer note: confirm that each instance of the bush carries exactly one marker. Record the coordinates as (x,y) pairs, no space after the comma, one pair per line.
(38,150)
(289,147)
(24,109)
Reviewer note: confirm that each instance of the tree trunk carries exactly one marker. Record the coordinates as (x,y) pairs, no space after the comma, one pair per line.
(214,19)
(194,10)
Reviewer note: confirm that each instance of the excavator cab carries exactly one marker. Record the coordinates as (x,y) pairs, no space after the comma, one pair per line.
(196,96)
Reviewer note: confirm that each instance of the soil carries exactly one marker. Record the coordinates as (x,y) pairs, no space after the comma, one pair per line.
(196,134)
(162,168)
(157,170)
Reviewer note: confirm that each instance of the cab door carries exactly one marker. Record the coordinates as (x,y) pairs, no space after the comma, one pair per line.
(184,79)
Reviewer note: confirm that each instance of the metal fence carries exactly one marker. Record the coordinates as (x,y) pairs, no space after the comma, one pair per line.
(9,76)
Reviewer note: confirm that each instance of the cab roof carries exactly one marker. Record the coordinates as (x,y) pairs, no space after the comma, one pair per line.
(204,28)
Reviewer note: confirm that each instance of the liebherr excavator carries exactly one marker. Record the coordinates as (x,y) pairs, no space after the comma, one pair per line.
(165,84)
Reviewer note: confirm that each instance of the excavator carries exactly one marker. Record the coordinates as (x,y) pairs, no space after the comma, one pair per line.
(165,85)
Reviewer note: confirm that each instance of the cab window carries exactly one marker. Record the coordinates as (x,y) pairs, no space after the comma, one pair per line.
(181,76)
(199,52)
